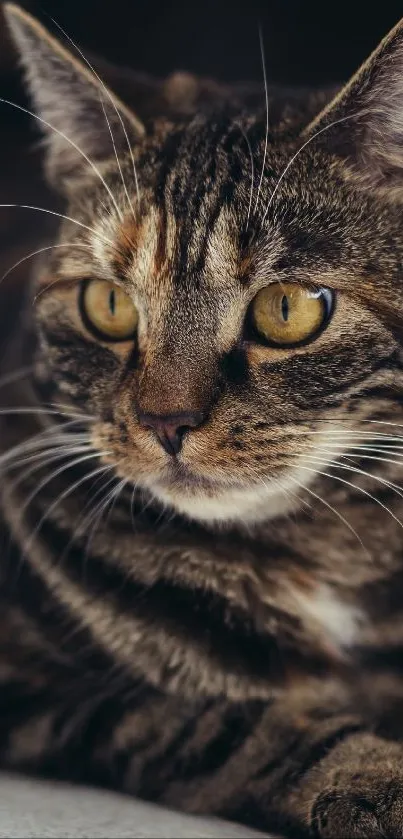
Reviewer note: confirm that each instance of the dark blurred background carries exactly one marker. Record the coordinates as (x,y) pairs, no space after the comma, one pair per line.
(307,42)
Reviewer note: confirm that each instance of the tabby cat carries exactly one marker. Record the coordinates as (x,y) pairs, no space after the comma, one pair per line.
(201,511)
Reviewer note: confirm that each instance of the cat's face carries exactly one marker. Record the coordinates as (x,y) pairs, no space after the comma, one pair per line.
(223,323)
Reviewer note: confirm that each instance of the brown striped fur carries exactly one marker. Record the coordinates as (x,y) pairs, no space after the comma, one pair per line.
(223,631)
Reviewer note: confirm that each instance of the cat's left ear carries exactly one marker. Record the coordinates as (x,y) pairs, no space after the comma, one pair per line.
(80,117)
(364,123)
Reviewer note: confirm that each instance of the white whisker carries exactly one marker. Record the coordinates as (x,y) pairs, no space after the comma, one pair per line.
(361,455)
(372,421)
(337,464)
(374,435)
(270,481)
(51,411)
(59,448)
(43,414)
(119,489)
(71,143)
(379,447)
(38,440)
(46,459)
(132,508)
(333,510)
(252,174)
(105,89)
(117,159)
(59,215)
(290,162)
(100,506)
(21,373)
(65,409)
(267,116)
(383,422)
(356,488)
(110,498)
(75,462)
(41,250)
(61,498)
(85,520)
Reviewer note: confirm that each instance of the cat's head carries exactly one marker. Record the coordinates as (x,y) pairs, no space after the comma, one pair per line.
(224,300)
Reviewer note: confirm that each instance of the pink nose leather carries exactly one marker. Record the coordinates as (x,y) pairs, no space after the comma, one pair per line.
(170,429)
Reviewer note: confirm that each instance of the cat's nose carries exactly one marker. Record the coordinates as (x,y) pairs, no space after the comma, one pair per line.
(171,428)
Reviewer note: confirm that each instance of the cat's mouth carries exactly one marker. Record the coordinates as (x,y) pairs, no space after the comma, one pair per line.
(209,499)
(180,477)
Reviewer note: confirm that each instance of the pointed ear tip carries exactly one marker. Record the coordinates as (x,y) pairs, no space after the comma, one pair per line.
(22,25)
(16,17)
(11,10)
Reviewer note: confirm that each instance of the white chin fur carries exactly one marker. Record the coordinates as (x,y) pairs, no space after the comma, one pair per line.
(248,505)
(268,499)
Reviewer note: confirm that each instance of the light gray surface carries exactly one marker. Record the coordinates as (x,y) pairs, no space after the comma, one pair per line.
(30,809)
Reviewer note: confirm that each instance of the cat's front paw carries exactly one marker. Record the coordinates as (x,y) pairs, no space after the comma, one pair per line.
(369,805)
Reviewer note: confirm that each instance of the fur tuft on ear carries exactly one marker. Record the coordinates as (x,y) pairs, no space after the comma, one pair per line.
(364,123)
(73,105)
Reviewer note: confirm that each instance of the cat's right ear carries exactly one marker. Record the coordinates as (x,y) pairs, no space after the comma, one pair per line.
(80,117)
(364,122)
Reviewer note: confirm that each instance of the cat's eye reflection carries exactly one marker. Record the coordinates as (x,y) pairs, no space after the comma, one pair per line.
(288,314)
(107,311)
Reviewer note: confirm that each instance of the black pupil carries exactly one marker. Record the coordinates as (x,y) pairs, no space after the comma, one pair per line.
(285,308)
(112,302)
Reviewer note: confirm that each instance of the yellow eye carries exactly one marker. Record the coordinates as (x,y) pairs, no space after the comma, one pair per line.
(108,311)
(287,314)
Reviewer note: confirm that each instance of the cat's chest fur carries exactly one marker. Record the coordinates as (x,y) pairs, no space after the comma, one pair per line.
(197,611)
